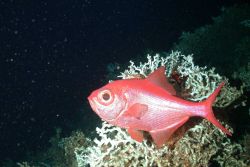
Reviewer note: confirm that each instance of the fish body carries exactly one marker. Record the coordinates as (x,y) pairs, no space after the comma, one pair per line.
(149,105)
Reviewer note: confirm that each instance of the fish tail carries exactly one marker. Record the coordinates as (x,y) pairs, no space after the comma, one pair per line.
(209,111)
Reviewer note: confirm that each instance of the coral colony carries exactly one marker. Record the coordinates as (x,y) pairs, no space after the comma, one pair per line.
(196,144)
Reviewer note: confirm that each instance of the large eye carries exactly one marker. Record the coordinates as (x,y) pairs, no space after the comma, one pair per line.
(105,97)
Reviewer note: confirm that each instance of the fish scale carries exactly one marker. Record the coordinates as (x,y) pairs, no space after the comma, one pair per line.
(150,105)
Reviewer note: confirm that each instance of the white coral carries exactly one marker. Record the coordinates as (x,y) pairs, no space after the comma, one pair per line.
(114,147)
(201,81)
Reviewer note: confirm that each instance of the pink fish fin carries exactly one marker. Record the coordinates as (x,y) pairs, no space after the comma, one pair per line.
(209,112)
(136,135)
(160,136)
(158,77)
(137,110)
(213,96)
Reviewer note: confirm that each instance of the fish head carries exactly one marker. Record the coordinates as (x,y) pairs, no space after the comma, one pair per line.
(108,102)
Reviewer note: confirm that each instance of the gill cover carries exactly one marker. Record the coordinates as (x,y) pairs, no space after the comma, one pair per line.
(107,103)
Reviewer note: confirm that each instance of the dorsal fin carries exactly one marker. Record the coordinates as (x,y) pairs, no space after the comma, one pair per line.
(158,77)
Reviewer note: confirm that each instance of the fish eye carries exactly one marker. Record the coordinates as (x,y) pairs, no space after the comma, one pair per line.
(106,96)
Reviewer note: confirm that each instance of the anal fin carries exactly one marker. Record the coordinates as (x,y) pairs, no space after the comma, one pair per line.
(160,136)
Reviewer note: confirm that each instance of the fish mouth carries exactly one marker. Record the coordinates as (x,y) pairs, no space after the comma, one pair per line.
(94,105)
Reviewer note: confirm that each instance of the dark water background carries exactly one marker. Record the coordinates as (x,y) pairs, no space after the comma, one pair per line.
(54,53)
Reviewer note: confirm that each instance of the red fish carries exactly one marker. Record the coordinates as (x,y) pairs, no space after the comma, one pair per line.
(149,105)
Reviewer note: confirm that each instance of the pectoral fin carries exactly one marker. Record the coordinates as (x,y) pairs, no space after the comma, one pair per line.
(137,110)
(160,136)
(136,135)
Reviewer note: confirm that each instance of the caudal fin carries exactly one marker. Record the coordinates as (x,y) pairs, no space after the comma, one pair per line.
(210,115)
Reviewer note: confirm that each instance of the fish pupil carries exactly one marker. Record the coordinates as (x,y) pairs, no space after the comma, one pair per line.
(106,96)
